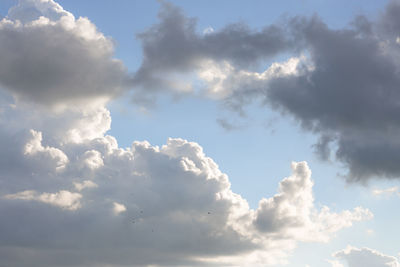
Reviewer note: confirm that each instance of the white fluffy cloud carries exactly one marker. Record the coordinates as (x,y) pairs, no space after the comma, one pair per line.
(50,57)
(170,201)
(87,202)
(364,257)
(292,213)
(34,148)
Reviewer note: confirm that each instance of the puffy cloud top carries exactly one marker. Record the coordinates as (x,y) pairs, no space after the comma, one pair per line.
(50,57)
(85,201)
(126,205)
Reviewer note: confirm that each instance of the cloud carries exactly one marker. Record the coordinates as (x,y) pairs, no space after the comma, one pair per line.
(93,159)
(340,84)
(84,184)
(291,212)
(52,58)
(335,263)
(63,199)
(118,208)
(172,201)
(173,48)
(87,202)
(52,155)
(387,191)
(364,257)
(208,30)
(349,97)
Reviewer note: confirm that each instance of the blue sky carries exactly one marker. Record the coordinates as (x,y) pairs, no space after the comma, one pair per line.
(72,87)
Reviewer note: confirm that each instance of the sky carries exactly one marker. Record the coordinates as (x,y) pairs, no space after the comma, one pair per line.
(199,133)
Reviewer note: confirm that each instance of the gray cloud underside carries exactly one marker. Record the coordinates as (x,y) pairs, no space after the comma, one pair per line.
(174,46)
(350,98)
(346,90)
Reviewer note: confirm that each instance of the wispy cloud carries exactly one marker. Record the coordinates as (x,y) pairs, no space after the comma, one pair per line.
(388,191)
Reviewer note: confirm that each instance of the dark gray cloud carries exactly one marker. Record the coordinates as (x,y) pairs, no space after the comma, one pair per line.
(341,84)
(174,46)
(350,96)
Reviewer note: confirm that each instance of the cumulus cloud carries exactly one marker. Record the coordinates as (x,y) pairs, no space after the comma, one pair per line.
(55,157)
(52,58)
(92,159)
(364,257)
(349,97)
(174,47)
(123,206)
(85,201)
(338,83)
(63,199)
(291,212)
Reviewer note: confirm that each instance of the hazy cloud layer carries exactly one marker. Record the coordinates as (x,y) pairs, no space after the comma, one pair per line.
(341,84)
(50,57)
(364,257)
